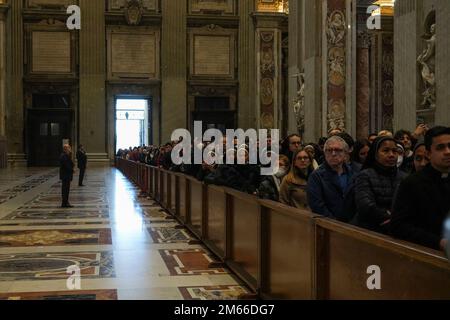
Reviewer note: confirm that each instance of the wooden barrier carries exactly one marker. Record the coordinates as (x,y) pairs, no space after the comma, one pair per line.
(156,184)
(183,199)
(288,252)
(150,185)
(161,187)
(216,221)
(346,254)
(197,201)
(243,235)
(165,189)
(173,194)
(285,253)
(3,153)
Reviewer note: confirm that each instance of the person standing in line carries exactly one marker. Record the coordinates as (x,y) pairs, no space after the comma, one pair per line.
(82,163)
(66,166)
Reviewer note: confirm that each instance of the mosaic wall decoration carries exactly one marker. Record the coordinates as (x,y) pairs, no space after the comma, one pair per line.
(268,78)
(387,87)
(336,31)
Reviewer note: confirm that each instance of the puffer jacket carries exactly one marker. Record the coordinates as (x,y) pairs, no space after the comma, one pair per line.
(374,193)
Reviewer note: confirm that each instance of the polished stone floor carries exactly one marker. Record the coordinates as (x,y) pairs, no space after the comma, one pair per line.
(123,246)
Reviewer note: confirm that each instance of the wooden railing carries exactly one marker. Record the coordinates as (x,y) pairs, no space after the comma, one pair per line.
(285,253)
(3,154)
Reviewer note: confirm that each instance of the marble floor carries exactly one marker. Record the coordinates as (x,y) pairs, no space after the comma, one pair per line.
(111,245)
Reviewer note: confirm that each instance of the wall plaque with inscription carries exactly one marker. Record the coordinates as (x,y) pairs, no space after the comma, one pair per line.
(51,52)
(133,55)
(216,6)
(212,55)
(50,3)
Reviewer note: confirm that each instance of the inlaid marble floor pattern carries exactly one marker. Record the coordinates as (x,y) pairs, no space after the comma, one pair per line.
(123,246)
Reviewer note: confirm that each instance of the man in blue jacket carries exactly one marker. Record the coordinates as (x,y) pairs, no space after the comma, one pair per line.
(330,188)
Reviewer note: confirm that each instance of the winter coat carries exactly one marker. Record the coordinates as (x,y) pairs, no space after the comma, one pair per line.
(374,193)
(421,207)
(325,195)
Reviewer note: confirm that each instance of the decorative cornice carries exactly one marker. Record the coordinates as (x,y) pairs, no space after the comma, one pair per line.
(262,18)
(147,19)
(200,20)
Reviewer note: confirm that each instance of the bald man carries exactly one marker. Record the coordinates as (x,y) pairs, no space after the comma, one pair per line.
(66,166)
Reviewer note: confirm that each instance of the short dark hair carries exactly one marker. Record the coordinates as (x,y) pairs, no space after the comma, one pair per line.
(401,133)
(434,133)
(348,139)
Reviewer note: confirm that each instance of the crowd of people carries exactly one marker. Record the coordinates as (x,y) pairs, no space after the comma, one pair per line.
(395,184)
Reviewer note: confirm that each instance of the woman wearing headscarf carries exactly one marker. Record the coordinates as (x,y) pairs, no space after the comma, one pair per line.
(420,157)
(376,185)
(293,189)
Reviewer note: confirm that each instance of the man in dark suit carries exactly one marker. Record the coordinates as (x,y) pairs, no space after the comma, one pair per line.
(66,166)
(82,162)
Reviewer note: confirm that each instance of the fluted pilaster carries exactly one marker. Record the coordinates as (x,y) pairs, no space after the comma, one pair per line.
(247,63)
(92,109)
(174,66)
(14,111)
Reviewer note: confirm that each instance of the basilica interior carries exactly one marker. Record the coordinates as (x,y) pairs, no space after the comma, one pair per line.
(305,67)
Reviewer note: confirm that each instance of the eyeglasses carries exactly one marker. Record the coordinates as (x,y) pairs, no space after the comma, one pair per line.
(332,151)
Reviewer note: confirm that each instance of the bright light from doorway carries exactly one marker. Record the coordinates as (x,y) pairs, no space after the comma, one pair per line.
(131,123)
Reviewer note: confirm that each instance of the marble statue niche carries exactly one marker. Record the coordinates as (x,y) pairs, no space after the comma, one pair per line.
(427,62)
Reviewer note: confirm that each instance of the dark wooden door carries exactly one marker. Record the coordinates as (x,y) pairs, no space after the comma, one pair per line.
(47,132)
(221,120)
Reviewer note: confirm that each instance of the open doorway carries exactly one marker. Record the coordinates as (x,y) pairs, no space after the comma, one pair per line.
(132,122)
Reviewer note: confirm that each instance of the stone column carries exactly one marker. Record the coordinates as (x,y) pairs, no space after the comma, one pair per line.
(174,68)
(312,12)
(362,85)
(405,61)
(247,62)
(92,109)
(14,111)
(3,154)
